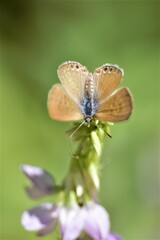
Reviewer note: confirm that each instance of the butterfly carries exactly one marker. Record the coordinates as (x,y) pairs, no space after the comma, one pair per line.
(83,95)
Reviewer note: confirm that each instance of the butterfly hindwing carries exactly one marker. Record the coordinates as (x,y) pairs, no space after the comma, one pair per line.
(117,108)
(61,107)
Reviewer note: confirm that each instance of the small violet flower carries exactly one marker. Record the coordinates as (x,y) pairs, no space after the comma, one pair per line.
(91,218)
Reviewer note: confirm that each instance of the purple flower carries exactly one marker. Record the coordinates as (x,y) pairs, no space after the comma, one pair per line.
(41,218)
(97,223)
(43,182)
(91,218)
(71,220)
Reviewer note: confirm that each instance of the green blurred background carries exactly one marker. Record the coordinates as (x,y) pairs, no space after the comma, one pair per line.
(37,36)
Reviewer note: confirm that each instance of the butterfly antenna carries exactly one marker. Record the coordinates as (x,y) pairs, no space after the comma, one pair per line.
(76,129)
(105,132)
(108,134)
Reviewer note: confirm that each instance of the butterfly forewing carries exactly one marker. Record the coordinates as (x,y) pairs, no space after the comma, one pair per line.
(117,108)
(73,76)
(61,107)
(106,80)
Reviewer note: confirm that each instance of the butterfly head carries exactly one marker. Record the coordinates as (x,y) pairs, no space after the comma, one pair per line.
(88,120)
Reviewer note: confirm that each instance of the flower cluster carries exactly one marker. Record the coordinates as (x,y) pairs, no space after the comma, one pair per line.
(90,218)
(76,210)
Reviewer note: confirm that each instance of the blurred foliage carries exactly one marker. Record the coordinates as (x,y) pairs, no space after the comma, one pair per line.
(37,36)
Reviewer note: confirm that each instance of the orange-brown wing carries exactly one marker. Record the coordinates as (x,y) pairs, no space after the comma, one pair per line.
(73,76)
(117,108)
(106,79)
(61,107)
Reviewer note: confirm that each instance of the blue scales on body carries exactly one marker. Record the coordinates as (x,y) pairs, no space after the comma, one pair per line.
(89,103)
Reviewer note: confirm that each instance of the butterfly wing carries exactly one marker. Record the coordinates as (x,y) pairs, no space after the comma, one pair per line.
(106,80)
(61,107)
(117,108)
(73,76)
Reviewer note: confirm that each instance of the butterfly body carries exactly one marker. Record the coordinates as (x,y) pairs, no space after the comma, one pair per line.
(89,103)
(83,95)
(89,108)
